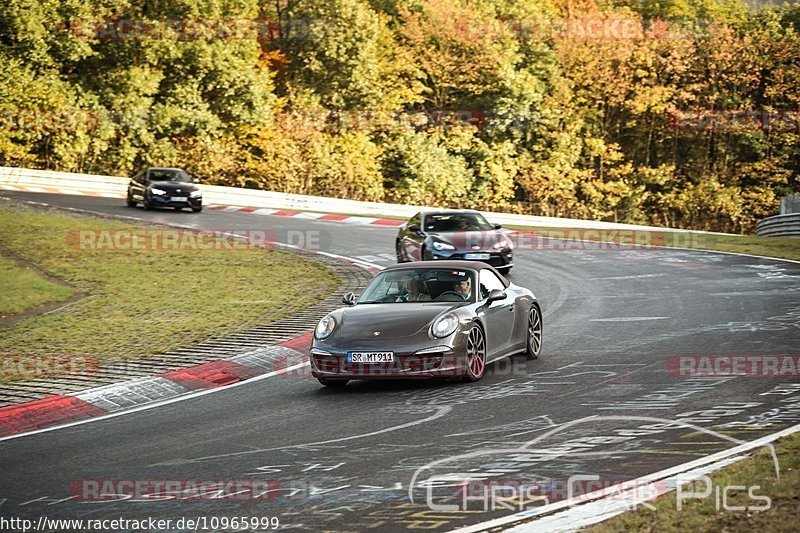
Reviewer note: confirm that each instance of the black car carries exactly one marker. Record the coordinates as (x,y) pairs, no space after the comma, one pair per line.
(455,235)
(434,319)
(164,187)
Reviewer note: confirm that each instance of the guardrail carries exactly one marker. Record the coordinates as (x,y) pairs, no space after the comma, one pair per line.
(779,226)
(116,187)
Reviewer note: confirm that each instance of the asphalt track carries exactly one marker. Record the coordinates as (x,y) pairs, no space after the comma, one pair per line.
(344,458)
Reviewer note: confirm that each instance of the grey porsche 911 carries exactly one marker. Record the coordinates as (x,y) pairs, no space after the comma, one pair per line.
(427,319)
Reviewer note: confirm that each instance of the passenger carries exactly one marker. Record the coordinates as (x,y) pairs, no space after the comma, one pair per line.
(414,292)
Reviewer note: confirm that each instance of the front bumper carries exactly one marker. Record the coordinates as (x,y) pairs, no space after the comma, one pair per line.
(445,364)
(167,201)
(497,258)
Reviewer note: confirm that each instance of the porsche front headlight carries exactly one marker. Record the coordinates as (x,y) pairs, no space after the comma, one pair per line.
(325,328)
(438,245)
(444,326)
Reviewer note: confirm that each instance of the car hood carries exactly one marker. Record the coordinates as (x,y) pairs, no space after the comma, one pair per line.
(173,186)
(471,240)
(392,320)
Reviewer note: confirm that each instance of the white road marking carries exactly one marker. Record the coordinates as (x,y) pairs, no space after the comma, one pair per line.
(370,258)
(635,276)
(378,258)
(767,292)
(628,318)
(159,404)
(441,411)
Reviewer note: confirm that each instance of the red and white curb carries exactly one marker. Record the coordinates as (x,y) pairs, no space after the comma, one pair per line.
(346,219)
(330,217)
(57,410)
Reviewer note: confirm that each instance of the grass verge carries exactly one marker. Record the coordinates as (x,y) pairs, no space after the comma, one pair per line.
(25,289)
(142,302)
(703,515)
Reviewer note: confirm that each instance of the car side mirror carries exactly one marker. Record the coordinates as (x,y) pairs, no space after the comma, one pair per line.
(496,294)
(498,226)
(414,228)
(349,298)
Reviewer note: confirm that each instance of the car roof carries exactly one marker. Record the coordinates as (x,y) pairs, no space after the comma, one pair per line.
(447,211)
(166,168)
(465,265)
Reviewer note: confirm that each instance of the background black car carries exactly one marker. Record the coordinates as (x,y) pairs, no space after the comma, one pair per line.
(164,187)
(456,235)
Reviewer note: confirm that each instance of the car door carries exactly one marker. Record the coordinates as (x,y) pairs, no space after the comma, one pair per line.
(499,315)
(412,238)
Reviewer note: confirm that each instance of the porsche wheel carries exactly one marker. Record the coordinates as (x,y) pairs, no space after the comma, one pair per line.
(335,383)
(534,345)
(476,354)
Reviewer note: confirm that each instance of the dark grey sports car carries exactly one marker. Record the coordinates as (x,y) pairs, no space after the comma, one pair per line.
(427,319)
(164,187)
(455,235)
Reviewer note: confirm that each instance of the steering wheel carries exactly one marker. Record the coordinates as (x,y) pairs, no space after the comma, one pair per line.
(451,293)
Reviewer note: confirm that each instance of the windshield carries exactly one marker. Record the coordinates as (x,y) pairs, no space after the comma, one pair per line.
(452,222)
(420,285)
(168,175)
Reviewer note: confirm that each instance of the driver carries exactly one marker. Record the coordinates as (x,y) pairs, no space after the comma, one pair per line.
(464,288)
(414,292)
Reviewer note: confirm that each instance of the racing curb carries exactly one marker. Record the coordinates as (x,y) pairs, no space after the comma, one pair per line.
(346,219)
(99,401)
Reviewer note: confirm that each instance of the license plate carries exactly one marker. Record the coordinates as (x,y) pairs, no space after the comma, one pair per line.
(178,199)
(370,357)
(479,257)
